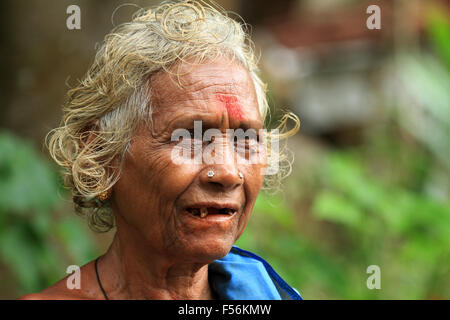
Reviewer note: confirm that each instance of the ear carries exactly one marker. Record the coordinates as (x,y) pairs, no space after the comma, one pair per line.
(87,137)
(88,134)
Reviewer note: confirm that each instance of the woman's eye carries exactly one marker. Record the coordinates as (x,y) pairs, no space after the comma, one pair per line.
(198,141)
(246,141)
(201,138)
(191,133)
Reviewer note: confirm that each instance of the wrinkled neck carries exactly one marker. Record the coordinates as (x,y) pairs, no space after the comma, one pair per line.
(131,270)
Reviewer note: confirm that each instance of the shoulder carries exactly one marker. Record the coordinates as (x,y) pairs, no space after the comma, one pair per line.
(60,290)
(47,296)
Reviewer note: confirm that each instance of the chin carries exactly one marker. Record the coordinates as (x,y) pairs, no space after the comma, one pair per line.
(208,250)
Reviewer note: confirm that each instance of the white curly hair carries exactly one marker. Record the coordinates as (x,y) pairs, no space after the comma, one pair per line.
(102,112)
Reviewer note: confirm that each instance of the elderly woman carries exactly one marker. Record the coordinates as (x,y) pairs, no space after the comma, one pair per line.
(157,86)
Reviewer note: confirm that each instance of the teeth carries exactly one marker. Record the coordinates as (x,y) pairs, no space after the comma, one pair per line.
(203,212)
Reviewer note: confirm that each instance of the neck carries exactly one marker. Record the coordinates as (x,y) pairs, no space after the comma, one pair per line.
(132,270)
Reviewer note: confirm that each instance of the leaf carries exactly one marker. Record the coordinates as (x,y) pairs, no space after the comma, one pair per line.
(276,209)
(20,257)
(335,208)
(74,237)
(26,181)
(438,28)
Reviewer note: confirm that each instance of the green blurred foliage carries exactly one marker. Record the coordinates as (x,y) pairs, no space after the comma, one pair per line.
(36,244)
(438,28)
(373,204)
(367,207)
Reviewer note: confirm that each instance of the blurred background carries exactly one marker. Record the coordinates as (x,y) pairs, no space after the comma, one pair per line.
(370,181)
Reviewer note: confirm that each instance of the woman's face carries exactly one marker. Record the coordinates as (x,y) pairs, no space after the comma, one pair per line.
(158,201)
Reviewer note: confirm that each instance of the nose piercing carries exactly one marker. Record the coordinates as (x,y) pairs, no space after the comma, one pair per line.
(211,173)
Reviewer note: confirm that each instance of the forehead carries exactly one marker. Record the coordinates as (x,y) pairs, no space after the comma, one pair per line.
(220,89)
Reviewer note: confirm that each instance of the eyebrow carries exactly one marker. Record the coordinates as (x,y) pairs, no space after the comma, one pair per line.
(209,121)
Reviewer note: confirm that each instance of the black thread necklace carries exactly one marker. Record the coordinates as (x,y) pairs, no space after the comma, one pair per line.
(98,280)
(215,295)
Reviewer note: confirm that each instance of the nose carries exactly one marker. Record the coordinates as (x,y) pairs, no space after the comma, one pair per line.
(221,176)
(224,174)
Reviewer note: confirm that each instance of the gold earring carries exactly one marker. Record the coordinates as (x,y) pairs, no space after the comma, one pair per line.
(104,195)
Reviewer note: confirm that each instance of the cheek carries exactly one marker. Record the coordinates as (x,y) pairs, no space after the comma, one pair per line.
(149,186)
(253,184)
(256,175)
(154,169)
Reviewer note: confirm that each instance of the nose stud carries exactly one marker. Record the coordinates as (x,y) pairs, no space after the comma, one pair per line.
(211,174)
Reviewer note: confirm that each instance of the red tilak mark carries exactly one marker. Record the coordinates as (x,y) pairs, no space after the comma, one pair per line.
(232,105)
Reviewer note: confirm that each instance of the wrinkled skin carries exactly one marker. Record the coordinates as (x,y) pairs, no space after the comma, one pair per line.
(159,251)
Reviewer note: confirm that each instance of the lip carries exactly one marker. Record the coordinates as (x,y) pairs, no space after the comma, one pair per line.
(213,204)
(213,217)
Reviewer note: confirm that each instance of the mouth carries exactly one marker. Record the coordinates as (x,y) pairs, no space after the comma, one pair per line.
(204,211)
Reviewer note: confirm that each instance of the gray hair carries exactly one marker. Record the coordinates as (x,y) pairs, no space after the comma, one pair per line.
(102,112)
